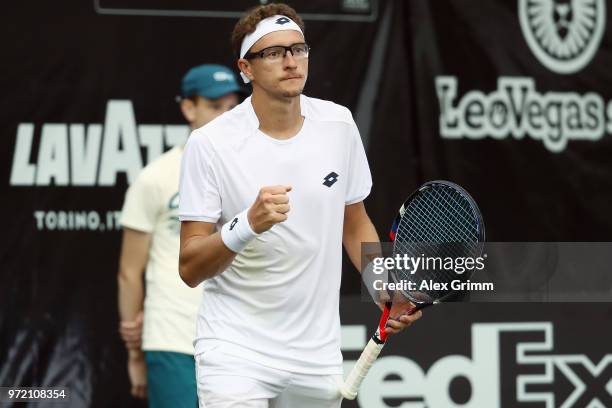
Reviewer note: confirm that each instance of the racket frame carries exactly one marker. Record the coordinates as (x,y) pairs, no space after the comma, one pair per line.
(480,231)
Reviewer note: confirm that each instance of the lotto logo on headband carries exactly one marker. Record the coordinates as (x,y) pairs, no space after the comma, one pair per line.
(282,20)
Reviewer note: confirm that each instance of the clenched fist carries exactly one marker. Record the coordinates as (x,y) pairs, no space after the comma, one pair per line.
(270,207)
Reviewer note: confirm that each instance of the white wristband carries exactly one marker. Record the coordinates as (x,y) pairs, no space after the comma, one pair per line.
(237,233)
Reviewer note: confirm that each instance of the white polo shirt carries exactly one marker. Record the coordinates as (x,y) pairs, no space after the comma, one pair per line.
(278,302)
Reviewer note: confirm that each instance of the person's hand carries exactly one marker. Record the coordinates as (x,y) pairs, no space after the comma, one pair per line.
(405,320)
(131,332)
(270,207)
(400,316)
(137,371)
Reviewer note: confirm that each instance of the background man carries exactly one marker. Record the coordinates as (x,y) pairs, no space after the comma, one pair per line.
(161,365)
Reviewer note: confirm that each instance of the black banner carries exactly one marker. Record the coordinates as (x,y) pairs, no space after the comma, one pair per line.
(509,104)
(510,99)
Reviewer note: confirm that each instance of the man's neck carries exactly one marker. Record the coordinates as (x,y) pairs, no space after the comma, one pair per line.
(280,118)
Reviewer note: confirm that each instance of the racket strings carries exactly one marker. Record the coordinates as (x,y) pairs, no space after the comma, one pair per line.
(460,227)
(455,226)
(464,227)
(421,223)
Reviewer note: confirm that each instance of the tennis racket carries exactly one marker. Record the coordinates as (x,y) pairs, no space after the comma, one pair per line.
(439,219)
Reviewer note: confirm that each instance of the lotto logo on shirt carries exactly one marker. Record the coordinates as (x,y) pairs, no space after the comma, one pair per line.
(330,179)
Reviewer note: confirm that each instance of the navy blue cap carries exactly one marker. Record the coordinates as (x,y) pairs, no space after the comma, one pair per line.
(210,81)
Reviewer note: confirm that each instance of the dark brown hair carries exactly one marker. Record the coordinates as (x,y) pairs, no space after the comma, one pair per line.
(253,16)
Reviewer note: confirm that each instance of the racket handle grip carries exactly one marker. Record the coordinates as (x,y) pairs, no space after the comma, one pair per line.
(350,387)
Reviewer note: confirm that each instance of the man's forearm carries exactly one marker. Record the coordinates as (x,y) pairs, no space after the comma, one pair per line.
(354,235)
(131,296)
(131,303)
(203,257)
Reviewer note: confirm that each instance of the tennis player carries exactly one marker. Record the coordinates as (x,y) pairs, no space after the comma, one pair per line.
(151,242)
(282,177)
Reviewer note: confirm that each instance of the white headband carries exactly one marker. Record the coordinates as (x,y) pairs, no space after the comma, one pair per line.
(266,26)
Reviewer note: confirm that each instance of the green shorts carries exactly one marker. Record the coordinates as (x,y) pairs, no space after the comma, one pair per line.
(171,380)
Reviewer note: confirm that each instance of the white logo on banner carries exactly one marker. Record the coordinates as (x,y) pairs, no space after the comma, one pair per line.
(563,34)
(400,378)
(77,154)
(517,109)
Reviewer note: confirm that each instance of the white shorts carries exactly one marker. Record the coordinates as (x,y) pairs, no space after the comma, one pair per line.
(225,381)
